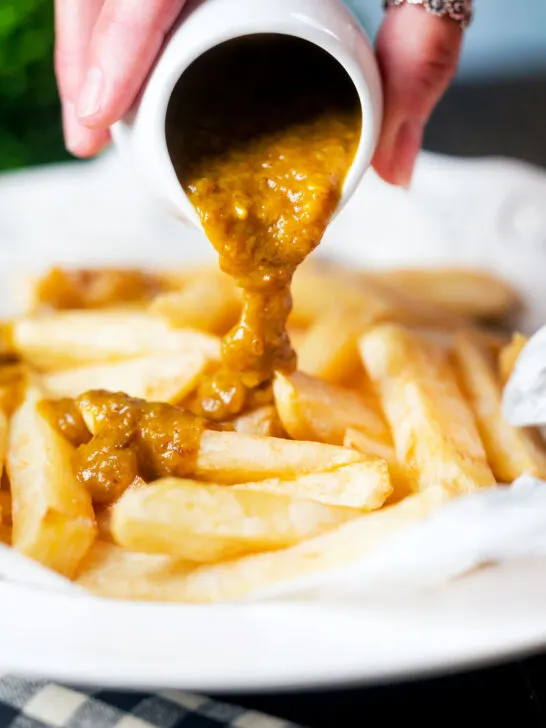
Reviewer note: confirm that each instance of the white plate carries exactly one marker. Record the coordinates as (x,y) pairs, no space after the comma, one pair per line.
(487,213)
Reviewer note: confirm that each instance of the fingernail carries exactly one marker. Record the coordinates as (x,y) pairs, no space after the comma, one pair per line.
(71,127)
(89,101)
(76,136)
(406,148)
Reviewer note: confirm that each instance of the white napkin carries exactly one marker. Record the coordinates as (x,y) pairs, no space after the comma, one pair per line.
(525,394)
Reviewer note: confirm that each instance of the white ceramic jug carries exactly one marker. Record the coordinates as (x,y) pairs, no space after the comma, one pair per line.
(204,24)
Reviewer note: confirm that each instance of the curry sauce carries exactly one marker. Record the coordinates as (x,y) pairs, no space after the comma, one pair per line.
(262,132)
(131,438)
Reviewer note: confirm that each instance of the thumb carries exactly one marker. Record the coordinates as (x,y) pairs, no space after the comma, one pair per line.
(418,55)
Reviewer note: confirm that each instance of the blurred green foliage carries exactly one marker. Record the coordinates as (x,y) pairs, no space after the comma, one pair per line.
(30,126)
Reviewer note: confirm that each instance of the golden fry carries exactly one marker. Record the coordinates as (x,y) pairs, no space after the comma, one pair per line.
(109,571)
(316,286)
(88,288)
(402,482)
(329,348)
(210,303)
(511,451)
(159,378)
(230,457)
(433,427)
(68,339)
(470,293)
(263,421)
(365,486)
(206,523)
(53,519)
(311,409)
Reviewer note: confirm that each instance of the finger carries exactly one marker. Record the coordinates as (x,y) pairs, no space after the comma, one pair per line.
(418,55)
(74,22)
(126,40)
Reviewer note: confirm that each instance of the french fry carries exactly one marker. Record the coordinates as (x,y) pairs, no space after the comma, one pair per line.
(410,311)
(68,339)
(433,427)
(329,348)
(311,409)
(53,519)
(368,292)
(263,421)
(365,486)
(509,356)
(511,451)
(470,293)
(206,523)
(359,440)
(315,286)
(230,457)
(493,341)
(160,378)
(103,514)
(70,288)
(210,302)
(112,572)
(402,483)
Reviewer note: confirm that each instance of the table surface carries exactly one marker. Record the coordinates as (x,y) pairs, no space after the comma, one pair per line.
(515,692)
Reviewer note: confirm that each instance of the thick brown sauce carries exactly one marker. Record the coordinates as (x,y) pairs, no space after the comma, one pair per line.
(262,132)
(131,438)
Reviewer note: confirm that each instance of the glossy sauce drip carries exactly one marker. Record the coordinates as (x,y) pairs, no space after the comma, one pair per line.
(262,132)
(131,438)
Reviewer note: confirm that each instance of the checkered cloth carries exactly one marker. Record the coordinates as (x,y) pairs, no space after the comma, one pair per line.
(41,704)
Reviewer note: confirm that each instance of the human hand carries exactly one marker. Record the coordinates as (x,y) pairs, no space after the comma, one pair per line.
(105,49)
(418,55)
(103,52)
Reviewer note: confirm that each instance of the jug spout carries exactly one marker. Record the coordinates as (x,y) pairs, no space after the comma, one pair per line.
(141,136)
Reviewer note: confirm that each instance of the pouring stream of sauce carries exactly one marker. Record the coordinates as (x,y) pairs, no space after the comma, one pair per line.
(262,132)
